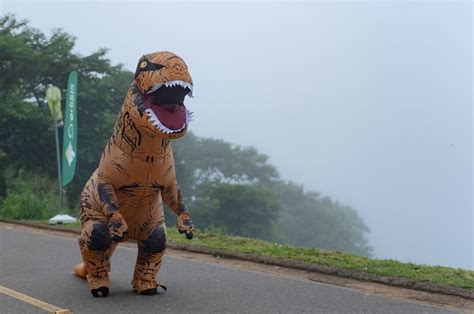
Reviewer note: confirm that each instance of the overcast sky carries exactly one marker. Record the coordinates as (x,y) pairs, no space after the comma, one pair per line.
(369,103)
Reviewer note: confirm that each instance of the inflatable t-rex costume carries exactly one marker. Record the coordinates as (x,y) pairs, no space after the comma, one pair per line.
(123,198)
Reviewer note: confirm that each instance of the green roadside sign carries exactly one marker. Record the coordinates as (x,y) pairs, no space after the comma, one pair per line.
(70,131)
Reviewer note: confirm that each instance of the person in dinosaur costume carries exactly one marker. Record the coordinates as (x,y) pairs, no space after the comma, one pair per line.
(122,200)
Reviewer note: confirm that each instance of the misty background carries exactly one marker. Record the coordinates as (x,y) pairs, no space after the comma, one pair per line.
(369,103)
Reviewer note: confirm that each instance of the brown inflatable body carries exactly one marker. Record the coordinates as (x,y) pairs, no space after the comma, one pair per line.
(123,198)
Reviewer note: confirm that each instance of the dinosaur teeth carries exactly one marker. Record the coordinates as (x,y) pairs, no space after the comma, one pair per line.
(173,84)
(155,88)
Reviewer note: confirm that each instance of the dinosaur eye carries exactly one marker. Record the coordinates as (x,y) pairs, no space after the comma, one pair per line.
(146,65)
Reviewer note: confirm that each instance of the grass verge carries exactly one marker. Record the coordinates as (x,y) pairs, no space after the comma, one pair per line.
(446,276)
(459,278)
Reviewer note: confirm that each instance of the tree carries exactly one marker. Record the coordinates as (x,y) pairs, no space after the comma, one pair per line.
(220,179)
(29,63)
(311,220)
(245,210)
(214,160)
(225,186)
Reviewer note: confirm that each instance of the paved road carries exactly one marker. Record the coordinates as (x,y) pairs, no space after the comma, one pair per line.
(39,265)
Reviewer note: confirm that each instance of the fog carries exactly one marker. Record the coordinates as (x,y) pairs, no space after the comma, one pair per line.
(368,103)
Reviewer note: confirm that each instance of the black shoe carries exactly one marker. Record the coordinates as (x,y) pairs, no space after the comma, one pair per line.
(100,292)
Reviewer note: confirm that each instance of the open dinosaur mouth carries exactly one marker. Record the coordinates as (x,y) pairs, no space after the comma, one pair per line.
(165,106)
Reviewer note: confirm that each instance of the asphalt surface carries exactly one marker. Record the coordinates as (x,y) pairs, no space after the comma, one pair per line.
(39,265)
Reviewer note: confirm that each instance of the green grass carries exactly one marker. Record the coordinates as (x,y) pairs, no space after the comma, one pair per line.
(460,278)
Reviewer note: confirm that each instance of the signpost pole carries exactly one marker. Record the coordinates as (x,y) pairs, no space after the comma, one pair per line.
(56,126)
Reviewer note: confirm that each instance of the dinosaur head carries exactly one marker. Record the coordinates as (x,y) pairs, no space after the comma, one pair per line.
(162,81)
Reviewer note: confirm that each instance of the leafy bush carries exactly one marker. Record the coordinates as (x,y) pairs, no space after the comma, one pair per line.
(29,196)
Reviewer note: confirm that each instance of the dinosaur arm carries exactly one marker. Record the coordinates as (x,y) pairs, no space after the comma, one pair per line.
(117,226)
(107,197)
(173,199)
(170,192)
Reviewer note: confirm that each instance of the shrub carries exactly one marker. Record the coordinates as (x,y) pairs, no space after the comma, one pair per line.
(29,195)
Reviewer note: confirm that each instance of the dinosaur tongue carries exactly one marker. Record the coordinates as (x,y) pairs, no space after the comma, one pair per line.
(172,116)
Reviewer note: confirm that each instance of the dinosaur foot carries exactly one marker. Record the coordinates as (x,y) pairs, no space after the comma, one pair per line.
(100,292)
(151,291)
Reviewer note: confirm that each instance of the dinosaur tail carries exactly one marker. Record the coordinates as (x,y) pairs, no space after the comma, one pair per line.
(80,270)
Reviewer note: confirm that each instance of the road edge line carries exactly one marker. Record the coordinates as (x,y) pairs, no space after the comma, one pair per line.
(33,301)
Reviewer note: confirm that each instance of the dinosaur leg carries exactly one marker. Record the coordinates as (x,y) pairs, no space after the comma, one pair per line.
(96,248)
(150,255)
